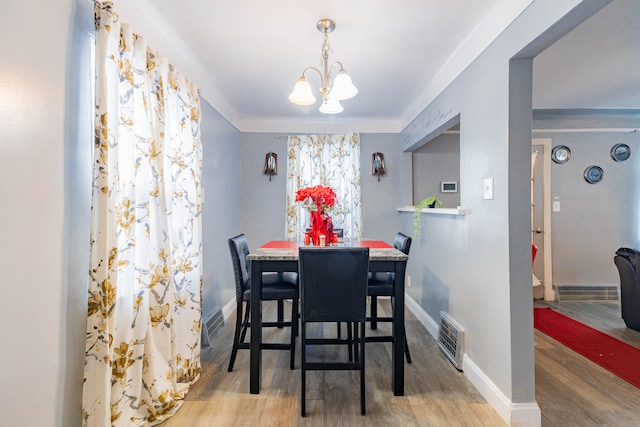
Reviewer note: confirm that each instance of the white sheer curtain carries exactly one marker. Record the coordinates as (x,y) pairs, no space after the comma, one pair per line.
(145,273)
(329,160)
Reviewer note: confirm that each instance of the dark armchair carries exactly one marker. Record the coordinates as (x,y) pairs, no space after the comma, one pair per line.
(626,260)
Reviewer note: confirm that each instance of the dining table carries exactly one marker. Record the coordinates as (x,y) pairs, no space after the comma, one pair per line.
(282,256)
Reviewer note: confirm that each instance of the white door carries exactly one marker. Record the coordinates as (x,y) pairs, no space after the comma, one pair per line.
(541,218)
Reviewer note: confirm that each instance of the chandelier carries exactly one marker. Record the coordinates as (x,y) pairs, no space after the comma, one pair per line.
(333,92)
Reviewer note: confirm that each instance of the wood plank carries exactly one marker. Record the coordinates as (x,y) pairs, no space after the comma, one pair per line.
(570,390)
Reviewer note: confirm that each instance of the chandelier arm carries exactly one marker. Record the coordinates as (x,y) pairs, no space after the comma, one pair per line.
(340,64)
(314,69)
(324,90)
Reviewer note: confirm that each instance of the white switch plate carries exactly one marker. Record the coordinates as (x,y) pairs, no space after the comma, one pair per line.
(556,206)
(487,189)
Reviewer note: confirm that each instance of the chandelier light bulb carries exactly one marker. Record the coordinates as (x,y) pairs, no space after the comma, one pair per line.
(302,93)
(331,106)
(343,88)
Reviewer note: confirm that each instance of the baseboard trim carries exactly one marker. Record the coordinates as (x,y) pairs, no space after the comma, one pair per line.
(228,309)
(514,414)
(430,325)
(598,292)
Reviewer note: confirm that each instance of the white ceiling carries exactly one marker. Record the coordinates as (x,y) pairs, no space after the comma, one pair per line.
(246,55)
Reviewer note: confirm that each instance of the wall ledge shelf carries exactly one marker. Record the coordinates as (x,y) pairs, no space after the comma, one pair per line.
(434,211)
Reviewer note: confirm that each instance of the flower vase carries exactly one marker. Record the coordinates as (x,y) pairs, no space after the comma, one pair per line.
(320,224)
(329,231)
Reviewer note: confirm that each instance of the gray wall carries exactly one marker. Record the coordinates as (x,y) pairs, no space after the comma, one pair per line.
(461,268)
(263,201)
(594,220)
(221,182)
(436,161)
(478,267)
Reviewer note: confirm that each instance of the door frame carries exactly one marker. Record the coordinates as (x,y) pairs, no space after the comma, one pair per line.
(549,293)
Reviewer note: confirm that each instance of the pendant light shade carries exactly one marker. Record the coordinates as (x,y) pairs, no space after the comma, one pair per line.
(302,94)
(331,106)
(343,88)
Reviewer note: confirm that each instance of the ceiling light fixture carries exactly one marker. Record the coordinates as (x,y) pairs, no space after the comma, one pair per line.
(333,92)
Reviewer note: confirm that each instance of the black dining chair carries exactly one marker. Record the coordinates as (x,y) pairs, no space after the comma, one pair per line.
(275,287)
(333,288)
(382,285)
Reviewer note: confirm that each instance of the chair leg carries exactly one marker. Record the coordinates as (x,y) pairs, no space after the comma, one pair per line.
(362,389)
(407,354)
(236,337)
(280,312)
(294,331)
(303,369)
(356,341)
(374,312)
(406,348)
(350,341)
(245,322)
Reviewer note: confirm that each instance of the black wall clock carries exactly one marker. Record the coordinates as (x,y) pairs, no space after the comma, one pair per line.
(593,174)
(560,154)
(620,152)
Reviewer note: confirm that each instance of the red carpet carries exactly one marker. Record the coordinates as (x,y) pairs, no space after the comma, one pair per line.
(612,354)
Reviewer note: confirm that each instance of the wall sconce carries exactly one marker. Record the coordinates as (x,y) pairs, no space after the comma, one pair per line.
(271,164)
(377,165)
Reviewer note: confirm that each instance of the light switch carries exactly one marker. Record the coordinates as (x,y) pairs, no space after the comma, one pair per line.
(487,189)
(556,206)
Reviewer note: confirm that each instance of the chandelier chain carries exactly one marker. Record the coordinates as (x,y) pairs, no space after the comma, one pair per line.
(332,91)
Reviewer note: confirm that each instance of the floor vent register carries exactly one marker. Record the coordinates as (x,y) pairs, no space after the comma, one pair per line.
(450,339)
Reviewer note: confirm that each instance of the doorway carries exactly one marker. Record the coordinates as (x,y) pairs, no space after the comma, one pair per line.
(541,206)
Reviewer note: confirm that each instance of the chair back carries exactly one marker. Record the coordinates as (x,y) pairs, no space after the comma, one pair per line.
(629,291)
(239,248)
(402,242)
(333,284)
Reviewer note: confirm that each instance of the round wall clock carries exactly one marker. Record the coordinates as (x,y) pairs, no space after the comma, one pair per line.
(560,154)
(593,174)
(620,152)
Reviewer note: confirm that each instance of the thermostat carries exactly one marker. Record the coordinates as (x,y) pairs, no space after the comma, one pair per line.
(449,186)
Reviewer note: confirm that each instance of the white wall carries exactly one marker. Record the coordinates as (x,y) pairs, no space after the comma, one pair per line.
(46,138)
(37,315)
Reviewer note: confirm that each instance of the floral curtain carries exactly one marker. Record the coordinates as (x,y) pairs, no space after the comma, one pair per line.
(145,276)
(329,160)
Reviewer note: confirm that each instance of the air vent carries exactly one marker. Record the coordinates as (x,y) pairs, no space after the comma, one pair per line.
(213,325)
(450,339)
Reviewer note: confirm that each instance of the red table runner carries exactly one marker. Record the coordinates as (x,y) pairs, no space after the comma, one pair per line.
(291,244)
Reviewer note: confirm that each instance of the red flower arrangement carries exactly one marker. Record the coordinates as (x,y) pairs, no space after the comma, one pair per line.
(316,198)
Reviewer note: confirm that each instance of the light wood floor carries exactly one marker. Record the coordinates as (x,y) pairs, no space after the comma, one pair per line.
(570,390)
(573,391)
